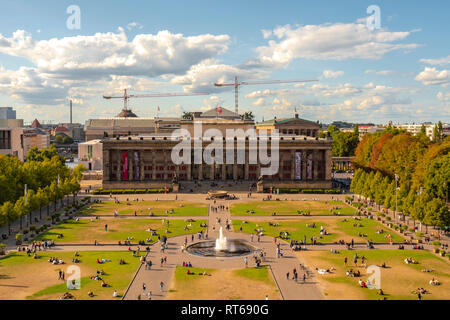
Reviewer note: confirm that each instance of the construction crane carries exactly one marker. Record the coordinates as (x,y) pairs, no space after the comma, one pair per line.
(237,83)
(127,96)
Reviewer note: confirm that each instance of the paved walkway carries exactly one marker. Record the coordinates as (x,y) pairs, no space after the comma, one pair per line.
(280,266)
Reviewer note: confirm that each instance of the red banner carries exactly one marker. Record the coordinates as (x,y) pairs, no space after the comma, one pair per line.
(125,166)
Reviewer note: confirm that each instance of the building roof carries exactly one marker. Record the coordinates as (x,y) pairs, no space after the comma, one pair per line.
(36,124)
(220,112)
(61,129)
(126,113)
(276,121)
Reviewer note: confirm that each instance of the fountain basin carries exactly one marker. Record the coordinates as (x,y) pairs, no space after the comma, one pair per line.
(234,248)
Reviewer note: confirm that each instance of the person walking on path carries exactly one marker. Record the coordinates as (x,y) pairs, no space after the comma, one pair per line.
(149,295)
(246,262)
(161,286)
(143,287)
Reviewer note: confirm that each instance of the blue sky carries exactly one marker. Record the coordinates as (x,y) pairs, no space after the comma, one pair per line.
(399,72)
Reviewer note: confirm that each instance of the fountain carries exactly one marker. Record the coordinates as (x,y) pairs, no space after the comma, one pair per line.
(221,243)
(221,247)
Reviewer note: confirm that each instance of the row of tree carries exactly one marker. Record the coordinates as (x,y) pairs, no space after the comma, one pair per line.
(47,178)
(422,168)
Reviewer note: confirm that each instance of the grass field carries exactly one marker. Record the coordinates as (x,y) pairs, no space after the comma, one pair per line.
(24,277)
(144,208)
(338,229)
(86,231)
(223,284)
(266,208)
(398,280)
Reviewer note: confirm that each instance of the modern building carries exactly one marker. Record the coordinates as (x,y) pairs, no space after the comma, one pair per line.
(7,113)
(415,128)
(90,155)
(17,140)
(145,160)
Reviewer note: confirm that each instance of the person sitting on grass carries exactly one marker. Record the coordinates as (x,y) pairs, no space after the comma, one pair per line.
(91,294)
(104,284)
(362,284)
(66,295)
(434,282)
(121,261)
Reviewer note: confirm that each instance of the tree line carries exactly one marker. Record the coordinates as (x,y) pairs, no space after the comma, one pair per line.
(422,169)
(46,177)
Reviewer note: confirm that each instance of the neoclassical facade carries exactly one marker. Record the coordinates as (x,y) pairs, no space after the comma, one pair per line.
(146,161)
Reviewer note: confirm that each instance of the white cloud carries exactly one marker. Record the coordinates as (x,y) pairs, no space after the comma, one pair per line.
(202,77)
(132,25)
(328,42)
(433,76)
(104,54)
(443,96)
(332,74)
(439,62)
(380,72)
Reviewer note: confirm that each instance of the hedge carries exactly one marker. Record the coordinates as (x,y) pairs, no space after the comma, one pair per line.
(129,191)
(306,191)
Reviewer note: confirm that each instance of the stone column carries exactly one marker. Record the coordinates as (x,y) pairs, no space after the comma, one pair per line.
(153,165)
(316,165)
(200,171)
(189,171)
(224,171)
(328,164)
(106,165)
(235,167)
(304,159)
(292,164)
(246,169)
(212,171)
(141,165)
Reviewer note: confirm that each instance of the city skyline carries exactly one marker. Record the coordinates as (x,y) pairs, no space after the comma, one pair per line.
(397,73)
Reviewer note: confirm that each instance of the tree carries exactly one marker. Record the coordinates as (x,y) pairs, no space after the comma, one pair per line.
(247,116)
(21,210)
(67,140)
(42,200)
(9,214)
(187,115)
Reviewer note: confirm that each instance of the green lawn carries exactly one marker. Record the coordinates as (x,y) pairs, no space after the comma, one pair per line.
(297,229)
(337,228)
(398,280)
(117,276)
(222,284)
(266,208)
(257,273)
(86,231)
(368,227)
(158,208)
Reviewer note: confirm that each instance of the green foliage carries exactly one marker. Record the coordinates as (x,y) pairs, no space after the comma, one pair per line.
(40,174)
(344,143)
(423,169)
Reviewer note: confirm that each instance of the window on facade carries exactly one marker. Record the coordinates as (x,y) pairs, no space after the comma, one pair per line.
(5,139)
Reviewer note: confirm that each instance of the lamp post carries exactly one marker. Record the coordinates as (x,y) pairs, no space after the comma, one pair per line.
(395,212)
